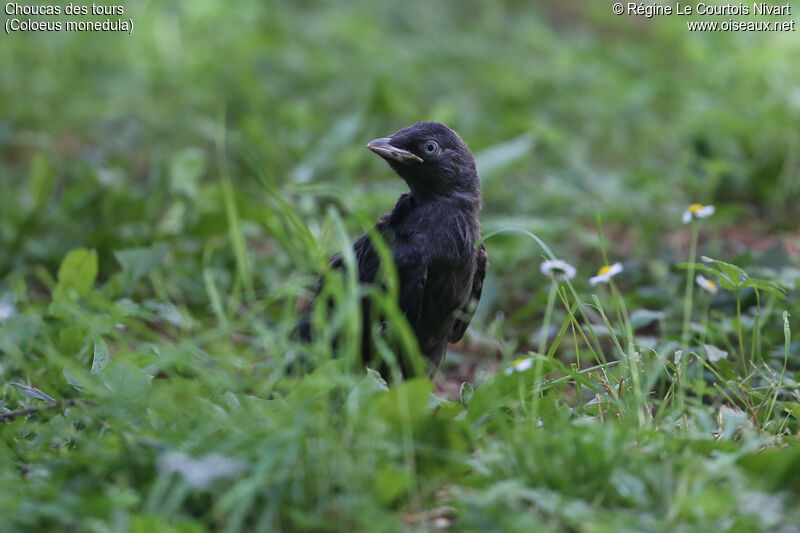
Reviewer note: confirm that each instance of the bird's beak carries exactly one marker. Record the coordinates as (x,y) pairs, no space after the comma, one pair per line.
(383,147)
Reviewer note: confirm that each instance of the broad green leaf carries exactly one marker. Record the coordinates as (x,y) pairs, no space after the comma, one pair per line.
(185,170)
(503,389)
(699,267)
(324,379)
(792,408)
(101,356)
(366,390)
(766,286)
(137,262)
(733,420)
(727,283)
(406,401)
(466,392)
(729,277)
(72,379)
(77,273)
(391,483)
(732,272)
(33,392)
(723,280)
(629,487)
(644,317)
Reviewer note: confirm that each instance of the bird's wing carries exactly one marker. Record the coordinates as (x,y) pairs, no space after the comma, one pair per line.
(413,275)
(366,256)
(367,260)
(367,263)
(466,312)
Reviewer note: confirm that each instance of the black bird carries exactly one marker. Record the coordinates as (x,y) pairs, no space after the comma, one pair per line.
(431,232)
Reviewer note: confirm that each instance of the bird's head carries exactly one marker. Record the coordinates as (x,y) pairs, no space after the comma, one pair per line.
(432,159)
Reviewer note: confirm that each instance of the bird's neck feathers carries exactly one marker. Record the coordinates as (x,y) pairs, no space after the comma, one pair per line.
(466,199)
(460,188)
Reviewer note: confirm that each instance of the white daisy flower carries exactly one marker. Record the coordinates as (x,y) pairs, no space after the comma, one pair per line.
(697,211)
(706,284)
(605,274)
(520,365)
(557,269)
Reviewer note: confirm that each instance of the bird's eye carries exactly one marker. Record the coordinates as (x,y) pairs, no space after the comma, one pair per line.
(431,147)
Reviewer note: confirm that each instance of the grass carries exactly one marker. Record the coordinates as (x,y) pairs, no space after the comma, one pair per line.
(170,197)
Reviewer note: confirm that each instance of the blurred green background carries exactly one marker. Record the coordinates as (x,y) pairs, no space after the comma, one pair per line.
(217,132)
(571,111)
(110,141)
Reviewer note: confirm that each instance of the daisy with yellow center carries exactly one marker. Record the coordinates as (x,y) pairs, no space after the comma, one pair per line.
(605,274)
(706,284)
(697,211)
